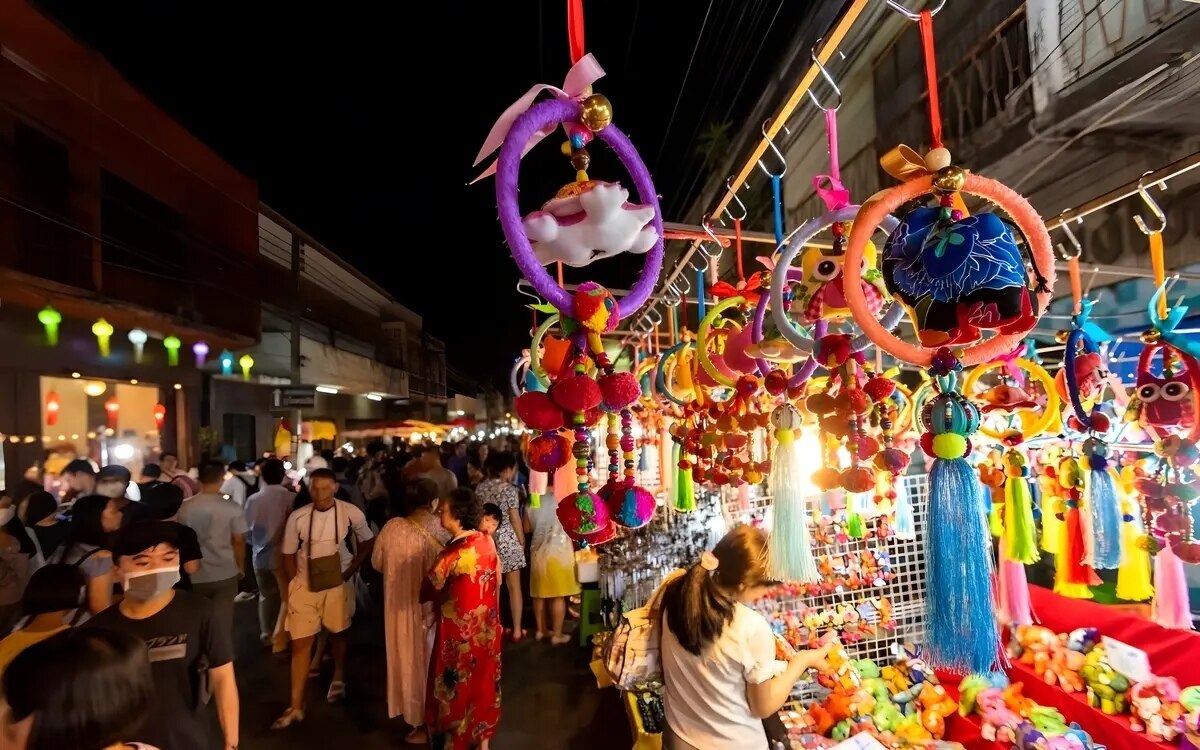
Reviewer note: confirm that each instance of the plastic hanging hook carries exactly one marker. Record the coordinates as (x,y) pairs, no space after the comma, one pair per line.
(775,149)
(1153,206)
(1076,249)
(654,315)
(733,194)
(828,79)
(671,296)
(910,15)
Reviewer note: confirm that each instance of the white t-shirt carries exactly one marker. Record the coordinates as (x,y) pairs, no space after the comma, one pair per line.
(706,703)
(326,538)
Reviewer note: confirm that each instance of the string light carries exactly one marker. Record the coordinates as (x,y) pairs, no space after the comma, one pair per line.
(50,318)
(172,344)
(200,350)
(103,332)
(138,337)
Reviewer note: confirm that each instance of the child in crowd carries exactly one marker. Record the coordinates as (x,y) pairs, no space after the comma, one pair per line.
(53,594)
(491,521)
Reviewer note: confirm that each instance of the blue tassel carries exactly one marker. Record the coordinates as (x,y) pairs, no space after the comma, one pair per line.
(1106,520)
(789,550)
(959,613)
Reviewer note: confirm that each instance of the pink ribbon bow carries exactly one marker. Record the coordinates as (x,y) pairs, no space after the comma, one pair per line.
(581,75)
(1009,362)
(832,191)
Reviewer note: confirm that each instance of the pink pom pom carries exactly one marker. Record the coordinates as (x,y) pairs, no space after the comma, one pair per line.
(619,390)
(576,393)
(631,507)
(549,451)
(538,412)
(583,513)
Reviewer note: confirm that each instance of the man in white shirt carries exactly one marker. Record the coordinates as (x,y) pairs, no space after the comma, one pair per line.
(313,539)
(242,483)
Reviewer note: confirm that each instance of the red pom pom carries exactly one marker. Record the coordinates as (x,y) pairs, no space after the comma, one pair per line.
(858,401)
(548,452)
(592,417)
(776,382)
(1100,422)
(927,444)
(858,479)
(538,412)
(833,350)
(892,460)
(619,390)
(879,388)
(867,447)
(819,404)
(575,393)
(595,308)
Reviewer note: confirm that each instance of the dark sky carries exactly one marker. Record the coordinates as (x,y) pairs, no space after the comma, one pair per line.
(360,122)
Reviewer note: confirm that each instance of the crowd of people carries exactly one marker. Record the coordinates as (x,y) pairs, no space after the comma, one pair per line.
(129,587)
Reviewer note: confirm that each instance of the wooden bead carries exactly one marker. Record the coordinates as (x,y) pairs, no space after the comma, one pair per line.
(938,158)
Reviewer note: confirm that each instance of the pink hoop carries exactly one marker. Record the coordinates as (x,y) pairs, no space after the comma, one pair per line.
(872,216)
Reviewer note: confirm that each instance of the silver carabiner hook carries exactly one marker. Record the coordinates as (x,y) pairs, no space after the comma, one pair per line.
(1152,205)
(828,79)
(733,194)
(894,5)
(778,154)
(1076,248)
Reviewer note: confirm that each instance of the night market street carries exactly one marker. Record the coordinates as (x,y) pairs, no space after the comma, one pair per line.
(550,698)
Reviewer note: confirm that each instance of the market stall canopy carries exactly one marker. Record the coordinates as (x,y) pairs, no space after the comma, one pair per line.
(405,430)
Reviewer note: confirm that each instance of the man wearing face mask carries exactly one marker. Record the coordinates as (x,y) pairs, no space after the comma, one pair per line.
(190,654)
(113,482)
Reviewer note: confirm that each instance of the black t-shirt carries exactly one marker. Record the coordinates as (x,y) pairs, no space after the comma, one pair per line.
(132,512)
(184,644)
(51,537)
(189,549)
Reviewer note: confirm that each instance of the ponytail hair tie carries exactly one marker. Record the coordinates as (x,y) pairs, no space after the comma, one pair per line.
(709,561)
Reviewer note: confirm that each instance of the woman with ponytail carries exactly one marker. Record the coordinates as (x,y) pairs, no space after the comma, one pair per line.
(719,661)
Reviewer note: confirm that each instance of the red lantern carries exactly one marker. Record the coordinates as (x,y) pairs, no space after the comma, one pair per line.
(52,405)
(113,408)
(160,415)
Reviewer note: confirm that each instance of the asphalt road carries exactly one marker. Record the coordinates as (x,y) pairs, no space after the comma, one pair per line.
(550,699)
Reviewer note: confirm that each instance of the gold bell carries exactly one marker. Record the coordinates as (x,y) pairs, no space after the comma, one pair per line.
(1061,336)
(597,112)
(1150,336)
(949,179)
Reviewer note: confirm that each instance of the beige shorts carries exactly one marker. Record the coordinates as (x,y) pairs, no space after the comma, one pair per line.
(309,611)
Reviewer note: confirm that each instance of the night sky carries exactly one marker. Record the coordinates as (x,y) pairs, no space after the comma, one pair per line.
(361,127)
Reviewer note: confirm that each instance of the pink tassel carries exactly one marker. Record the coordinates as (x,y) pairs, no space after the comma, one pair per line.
(1171,608)
(538,481)
(1014,591)
(743,496)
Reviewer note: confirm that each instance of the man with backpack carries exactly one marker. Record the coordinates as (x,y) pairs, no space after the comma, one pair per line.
(241,484)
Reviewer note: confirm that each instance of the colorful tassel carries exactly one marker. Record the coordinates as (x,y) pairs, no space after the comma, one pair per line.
(790,548)
(685,494)
(1105,511)
(962,632)
(1171,608)
(1133,577)
(1052,525)
(1020,536)
(1074,568)
(1014,591)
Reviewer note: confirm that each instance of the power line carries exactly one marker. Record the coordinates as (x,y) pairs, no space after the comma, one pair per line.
(682,86)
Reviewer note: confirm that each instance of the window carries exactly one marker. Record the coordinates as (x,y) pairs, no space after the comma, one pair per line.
(140,233)
(237,431)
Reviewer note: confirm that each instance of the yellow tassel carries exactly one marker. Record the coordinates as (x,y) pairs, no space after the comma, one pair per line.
(1133,575)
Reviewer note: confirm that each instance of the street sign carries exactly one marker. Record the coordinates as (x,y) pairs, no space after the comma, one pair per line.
(295,397)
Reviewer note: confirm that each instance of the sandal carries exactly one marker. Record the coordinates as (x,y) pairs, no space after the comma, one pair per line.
(417,736)
(539,636)
(290,716)
(558,640)
(337,691)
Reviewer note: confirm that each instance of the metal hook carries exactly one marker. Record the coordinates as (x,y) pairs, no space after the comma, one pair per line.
(733,194)
(1076,248)
(778,154)
(521,290)
(894,5)
(706,225)
(682,279)
(701,256)
(669,296)
(828,78)
(654,315)
(1152,205)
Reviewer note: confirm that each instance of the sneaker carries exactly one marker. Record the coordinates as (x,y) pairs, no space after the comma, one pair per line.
(245,596)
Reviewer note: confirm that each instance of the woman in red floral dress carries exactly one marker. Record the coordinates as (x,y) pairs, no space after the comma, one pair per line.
(463,700)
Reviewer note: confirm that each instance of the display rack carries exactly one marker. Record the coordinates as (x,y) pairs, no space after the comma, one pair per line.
(905,591)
